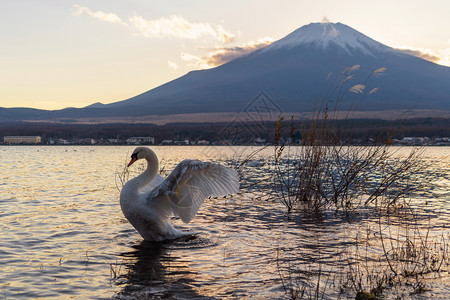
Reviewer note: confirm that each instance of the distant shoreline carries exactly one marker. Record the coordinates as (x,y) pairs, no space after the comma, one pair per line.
(246,116)
(240,130)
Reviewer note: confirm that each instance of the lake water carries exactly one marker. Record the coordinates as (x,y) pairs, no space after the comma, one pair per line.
(63,235)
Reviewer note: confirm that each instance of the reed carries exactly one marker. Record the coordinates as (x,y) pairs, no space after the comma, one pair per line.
(393,254)
(327,168)
(123,173)
(409,257)
(297,283)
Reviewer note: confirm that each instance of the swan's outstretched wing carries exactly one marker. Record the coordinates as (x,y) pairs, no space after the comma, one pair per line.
(190,183)
(155,182)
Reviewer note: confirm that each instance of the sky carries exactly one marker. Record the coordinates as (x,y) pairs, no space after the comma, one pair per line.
(63,53)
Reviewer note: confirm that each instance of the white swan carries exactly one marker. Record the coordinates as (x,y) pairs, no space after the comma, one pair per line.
(148,200)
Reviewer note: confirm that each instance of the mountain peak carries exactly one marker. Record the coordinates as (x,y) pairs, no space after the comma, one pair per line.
(324,34)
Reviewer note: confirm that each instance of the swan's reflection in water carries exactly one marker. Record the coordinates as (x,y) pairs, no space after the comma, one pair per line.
(152,270)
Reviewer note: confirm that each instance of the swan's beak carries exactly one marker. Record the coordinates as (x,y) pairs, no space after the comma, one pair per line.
(133,159)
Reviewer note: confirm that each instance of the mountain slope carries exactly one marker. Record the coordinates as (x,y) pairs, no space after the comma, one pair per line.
(293,72)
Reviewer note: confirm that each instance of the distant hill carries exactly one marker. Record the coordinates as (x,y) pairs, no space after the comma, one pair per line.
(292,72)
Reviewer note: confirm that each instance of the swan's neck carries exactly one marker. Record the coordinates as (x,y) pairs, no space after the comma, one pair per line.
(133,186)
(150,173)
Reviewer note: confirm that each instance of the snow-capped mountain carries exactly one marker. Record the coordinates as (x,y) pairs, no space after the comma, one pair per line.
(293,71)
(322,35)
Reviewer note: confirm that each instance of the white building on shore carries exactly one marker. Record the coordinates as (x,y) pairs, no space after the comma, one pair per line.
(140,140)
(22,139)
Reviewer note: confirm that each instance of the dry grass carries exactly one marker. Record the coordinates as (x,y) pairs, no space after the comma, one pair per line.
(329,169)
(394,255)
(407,257)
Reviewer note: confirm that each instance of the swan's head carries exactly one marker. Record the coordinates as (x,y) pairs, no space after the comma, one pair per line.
(141,153)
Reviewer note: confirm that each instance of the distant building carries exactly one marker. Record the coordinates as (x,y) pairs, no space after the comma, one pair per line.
(87,141)
(62,142)
(166,142)
(113,141)
(22,139)
(140,140)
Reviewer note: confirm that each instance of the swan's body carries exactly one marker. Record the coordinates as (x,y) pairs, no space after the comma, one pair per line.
(148,200)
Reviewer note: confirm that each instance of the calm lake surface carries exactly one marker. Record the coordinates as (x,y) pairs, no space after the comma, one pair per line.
(63,235)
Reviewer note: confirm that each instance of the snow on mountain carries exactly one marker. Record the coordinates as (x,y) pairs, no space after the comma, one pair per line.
(321,35)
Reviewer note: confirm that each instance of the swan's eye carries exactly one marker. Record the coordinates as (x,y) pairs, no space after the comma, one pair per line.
(134,155)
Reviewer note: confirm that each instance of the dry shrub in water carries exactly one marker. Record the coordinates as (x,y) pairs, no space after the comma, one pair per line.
(399,254)
(393,253)
(328,169)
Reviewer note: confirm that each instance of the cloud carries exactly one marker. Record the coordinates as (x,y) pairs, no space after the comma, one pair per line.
(176,26)
(102,16)
(194,60)
(172,65)
(226,36)
(445,57)
(173,26)
(440,56)
(325,20)
(221,55)
(422,53)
